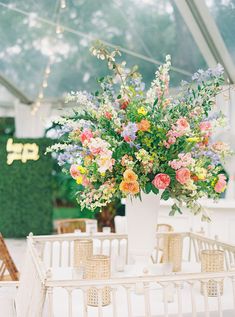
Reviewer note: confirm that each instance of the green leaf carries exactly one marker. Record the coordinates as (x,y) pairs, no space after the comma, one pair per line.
(155,190)
(165,195)
(172,212)
(148,188)
(155,102)
(174,209)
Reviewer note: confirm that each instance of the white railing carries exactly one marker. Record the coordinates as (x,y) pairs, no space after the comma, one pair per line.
(199,243)
(177,295)
(58,250)
(171,295)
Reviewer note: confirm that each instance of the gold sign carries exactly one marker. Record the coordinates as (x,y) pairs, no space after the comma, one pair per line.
(21,152)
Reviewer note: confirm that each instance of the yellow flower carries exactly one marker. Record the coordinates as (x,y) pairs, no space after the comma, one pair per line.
(87,160)
(195,139)
(102,174)
(79,180)
(81,169)
(201,173)
(142,111)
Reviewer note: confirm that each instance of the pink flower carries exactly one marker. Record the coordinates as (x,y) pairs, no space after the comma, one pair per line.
(86,135)
(171,140)
(105,161)
(205,126)
(221,184)
(97,146)
(108,115)
(74,172)
(175,164)
(183,175)
(182,124)
(161,181)
(167,145)
(127,138)
(85,181)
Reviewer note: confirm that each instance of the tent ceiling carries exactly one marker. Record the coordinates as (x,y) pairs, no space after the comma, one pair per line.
(146,30)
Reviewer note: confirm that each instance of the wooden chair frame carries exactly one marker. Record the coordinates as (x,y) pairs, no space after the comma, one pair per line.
(7,264)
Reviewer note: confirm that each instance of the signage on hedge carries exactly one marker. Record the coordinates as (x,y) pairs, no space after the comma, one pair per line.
(21,152)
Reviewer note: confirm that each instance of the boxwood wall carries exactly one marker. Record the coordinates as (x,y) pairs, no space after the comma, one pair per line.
(25,192)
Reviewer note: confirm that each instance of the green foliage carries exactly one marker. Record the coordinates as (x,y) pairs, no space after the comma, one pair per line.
(25,192)
(72,212)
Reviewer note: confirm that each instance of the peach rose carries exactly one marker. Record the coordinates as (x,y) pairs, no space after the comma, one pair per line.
(221,184)
(182,124)
(129,187)
(130,176)
(205,126)
(74,172)
(161,181)
(86,135)
(183,175)
(144,125)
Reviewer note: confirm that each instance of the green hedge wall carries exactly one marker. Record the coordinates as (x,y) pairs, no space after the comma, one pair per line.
(26,192)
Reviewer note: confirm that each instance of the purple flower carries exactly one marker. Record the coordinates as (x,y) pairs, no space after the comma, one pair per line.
(72,155)
(208,74)
(129,132)
(63,130)
(215,160)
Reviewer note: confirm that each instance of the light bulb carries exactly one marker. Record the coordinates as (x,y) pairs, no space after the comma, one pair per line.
(48,70)
(40,96)
(58,29)
(44,84)
(63,4)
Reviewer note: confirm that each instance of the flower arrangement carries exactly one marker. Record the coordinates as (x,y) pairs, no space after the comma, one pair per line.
(123,140)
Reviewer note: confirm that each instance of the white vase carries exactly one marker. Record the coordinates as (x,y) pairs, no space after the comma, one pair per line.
(142,220)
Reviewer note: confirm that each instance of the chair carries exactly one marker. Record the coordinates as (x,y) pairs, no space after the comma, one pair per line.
(8,270)
(163,227)
(162,242)
(70,225)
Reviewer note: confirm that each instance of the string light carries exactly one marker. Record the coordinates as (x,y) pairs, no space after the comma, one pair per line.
(44,84)
(41,95)
(48,70)
(58,30)
(63,4)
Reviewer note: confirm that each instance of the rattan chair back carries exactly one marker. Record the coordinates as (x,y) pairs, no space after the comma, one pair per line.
(70,225)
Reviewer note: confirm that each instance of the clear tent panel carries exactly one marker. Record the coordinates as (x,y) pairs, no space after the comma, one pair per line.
(146,30)
(223,12)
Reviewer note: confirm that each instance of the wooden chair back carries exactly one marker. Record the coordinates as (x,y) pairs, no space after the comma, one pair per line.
(8,270)
(70,225)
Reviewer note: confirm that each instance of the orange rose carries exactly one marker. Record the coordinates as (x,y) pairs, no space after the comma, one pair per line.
(129,187)
(130,176)
(144,125)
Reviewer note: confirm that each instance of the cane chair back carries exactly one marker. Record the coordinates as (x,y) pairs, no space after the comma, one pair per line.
(70,225)
(162,242)
(8,270)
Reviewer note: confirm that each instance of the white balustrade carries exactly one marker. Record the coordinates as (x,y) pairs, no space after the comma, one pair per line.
(163,295)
